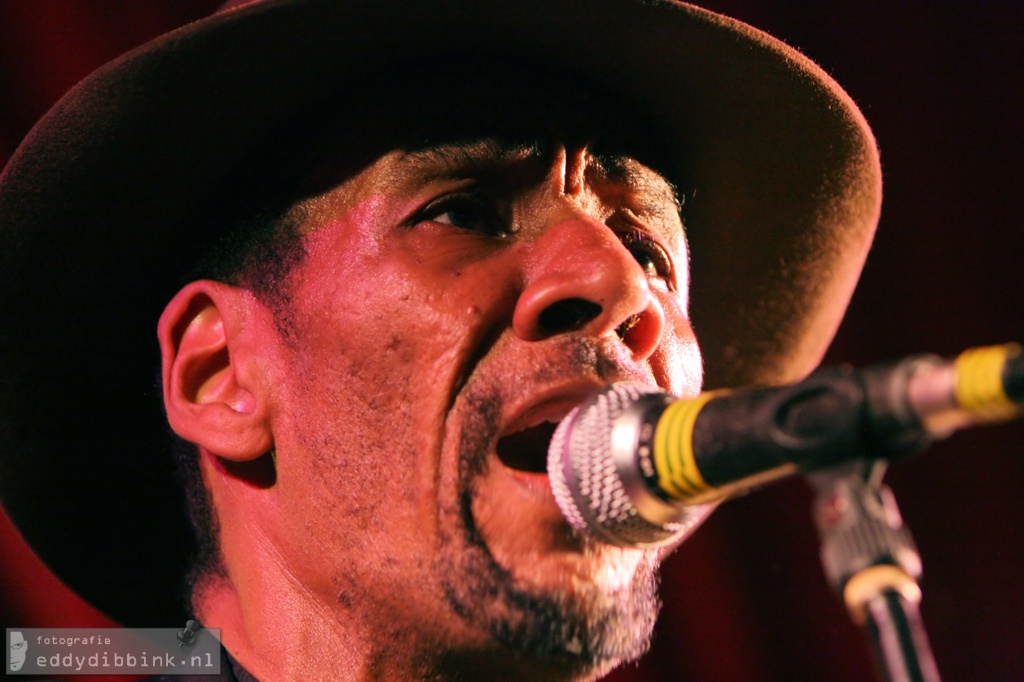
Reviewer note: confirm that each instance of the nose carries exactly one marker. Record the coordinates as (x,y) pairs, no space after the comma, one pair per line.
(581,278)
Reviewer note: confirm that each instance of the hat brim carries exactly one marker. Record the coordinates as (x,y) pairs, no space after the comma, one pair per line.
(98,205)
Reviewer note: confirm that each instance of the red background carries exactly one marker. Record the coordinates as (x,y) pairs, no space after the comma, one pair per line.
(745,598)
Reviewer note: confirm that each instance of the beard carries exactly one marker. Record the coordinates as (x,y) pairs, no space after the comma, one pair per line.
(581,632)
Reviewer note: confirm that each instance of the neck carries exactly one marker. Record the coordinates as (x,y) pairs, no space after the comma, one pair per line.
(286,639)
(281,623)
(289,638)
(280,620)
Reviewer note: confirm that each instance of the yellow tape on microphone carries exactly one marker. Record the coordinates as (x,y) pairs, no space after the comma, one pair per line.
(674,459)
(979,382)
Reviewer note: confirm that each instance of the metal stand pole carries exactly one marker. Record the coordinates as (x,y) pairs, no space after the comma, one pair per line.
(870,559)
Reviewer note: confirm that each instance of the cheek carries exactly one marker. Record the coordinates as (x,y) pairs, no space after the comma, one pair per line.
(382,340)
(414,285)
(678,356)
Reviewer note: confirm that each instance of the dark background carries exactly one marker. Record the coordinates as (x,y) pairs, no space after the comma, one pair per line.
(942,86)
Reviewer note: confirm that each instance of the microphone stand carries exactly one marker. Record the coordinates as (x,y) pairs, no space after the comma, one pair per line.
(870,559)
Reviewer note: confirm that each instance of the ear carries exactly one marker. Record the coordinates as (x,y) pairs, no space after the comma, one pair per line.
(214,394)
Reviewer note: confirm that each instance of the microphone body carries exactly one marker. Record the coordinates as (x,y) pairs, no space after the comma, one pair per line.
(636,466)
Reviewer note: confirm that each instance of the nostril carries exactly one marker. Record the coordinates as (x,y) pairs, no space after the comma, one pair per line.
(567,315)
(623,329)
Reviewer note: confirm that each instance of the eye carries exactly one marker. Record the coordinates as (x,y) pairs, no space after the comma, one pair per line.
(651,256)
(467,211)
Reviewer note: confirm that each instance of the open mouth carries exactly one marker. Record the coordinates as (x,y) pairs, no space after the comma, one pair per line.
(527,450)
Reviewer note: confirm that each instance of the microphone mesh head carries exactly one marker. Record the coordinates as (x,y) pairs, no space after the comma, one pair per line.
(586,481)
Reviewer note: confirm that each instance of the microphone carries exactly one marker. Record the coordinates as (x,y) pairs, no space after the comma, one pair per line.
(635,466)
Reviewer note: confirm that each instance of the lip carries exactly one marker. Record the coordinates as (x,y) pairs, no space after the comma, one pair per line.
(549,406)
(532,403)
(552,403)
(549,409)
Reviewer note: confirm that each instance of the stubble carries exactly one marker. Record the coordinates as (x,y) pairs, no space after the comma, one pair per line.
(579,633)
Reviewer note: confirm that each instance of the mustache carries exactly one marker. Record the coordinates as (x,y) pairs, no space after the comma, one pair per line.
(510,380)
(603,359)
(486,394)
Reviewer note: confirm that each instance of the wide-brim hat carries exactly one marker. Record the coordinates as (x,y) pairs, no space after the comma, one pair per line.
(98,212)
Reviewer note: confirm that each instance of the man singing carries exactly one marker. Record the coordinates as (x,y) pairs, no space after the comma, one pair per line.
(386,247)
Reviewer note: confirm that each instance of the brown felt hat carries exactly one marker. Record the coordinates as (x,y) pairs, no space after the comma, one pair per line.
(98,211)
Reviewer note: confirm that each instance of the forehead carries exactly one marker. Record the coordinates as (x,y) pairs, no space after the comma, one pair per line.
(471,114)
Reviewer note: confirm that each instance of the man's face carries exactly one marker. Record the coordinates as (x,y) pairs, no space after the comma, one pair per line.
(19,648)
(456,299)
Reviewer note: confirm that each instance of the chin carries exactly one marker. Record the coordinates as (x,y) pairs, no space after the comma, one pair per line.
(575,613)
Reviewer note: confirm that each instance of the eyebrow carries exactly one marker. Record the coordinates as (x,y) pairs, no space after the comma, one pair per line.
(457,160)
(651,185)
